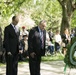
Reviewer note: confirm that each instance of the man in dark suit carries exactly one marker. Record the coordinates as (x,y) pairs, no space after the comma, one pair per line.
(11,45)
(36,47)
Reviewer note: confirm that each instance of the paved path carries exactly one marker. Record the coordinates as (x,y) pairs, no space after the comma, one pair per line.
(50,68)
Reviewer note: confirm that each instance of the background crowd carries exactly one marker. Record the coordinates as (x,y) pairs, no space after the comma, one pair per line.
(55,42)
(32,44)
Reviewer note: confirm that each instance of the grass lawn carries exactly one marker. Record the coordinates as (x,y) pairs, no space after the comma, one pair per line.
(53,58)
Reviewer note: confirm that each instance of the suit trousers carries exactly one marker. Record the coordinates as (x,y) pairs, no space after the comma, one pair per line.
(34,65)
(11,64)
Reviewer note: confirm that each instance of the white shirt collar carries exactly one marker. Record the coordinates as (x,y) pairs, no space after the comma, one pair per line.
(12,25)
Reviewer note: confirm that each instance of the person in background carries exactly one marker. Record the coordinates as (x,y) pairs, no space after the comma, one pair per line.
(36,47)
(49,44)
(51,35)
(24,47)
(58,41)
(72,35)
(11,45)
(23,32)
(65,40)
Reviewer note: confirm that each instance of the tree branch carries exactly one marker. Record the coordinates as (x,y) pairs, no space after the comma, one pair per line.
(60,1)
(6,3)
(74,6)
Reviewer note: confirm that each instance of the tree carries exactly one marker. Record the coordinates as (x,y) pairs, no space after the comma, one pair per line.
(8,7)
(49,10)
(68,8)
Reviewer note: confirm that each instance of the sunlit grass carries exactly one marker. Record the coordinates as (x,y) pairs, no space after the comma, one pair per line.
(53,57)
(1,64)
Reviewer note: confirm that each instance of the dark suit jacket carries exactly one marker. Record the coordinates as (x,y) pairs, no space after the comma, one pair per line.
(34,42)
(11,40)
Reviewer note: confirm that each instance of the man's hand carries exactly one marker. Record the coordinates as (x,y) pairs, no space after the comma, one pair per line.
(9,53)
(32,54)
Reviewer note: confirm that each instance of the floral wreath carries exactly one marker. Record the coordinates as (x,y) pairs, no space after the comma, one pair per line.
(70,57)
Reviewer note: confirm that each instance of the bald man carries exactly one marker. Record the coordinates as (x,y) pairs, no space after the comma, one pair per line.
(11,44)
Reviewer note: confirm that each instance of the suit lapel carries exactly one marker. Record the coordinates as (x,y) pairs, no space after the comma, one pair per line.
(12,30)
(38,32)
(44,33)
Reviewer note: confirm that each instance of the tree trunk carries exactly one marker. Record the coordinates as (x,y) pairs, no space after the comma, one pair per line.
(64,23)
(66,20)
(67,11)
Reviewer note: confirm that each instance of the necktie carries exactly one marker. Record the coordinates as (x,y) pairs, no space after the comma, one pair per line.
(15,29)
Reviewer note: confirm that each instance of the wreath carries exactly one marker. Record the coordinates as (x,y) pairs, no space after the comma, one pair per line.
(70,57)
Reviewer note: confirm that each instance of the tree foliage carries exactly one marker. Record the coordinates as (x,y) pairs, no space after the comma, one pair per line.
(50,10)
(8,7)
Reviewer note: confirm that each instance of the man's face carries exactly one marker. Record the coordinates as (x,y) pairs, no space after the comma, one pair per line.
(42,26)
(15,21)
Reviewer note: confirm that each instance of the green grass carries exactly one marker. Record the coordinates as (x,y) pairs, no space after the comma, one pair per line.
(2,64)
(53,58)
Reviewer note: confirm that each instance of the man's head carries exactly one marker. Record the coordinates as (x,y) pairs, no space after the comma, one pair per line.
(42,24)
(23,28)
(57,31)
(15,20)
